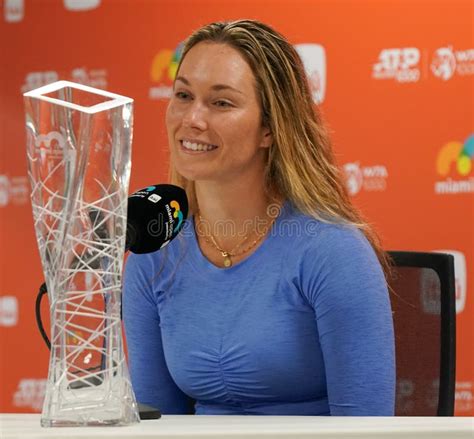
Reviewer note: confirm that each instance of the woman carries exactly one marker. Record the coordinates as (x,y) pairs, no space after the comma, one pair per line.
(257,310)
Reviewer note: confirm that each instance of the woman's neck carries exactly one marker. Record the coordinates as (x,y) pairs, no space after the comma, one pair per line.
(236,201)
(232,209)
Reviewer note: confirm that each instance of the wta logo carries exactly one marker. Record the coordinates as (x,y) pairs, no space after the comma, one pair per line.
(369,178)
(447,62)
(163,71)
(443,64)
(455,158)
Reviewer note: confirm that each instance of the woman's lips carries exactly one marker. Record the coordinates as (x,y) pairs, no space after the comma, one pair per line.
(196,147)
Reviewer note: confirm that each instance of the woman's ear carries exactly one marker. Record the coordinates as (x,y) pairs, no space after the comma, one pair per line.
(267,138)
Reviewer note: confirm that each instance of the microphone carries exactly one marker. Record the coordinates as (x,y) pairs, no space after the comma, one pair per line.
(155,215)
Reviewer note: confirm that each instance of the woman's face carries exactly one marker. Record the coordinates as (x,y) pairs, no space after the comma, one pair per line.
(214,118)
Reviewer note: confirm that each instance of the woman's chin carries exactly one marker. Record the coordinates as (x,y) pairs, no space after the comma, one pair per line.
(195,175)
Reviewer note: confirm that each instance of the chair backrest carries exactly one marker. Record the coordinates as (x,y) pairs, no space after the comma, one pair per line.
(424,316)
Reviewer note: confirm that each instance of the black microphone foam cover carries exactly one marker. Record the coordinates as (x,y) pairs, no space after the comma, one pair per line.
(155,216)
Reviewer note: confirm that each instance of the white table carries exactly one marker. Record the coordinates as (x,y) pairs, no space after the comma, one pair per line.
(22,426)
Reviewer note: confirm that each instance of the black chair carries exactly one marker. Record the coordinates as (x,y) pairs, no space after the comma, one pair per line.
(424,316)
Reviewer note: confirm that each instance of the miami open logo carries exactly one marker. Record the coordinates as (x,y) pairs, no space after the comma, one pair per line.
(454,163)
(163,71)
(177,215)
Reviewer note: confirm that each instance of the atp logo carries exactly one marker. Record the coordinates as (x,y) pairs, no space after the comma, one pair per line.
(163,71)
(177,214)
(456,157)
(400,64)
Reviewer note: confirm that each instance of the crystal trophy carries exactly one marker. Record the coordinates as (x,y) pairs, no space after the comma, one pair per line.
(78,146)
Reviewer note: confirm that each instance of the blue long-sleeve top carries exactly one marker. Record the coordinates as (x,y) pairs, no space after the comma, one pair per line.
(303,326)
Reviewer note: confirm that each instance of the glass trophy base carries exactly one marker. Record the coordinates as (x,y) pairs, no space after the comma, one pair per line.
(87,407)
(75,423)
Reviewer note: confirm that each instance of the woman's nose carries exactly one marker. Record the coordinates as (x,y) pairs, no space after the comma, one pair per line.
(195,116)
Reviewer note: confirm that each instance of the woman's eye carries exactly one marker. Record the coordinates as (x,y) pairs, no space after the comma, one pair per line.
(222,104)
(182,95)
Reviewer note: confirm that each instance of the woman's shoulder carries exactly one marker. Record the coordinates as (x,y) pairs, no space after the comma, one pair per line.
(333,258)
(319,247)
(314,232)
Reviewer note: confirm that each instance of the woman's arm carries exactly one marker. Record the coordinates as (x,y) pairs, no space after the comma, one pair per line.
(346,286)
(151,379)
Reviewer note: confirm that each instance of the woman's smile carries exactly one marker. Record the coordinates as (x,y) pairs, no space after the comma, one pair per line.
(196,146)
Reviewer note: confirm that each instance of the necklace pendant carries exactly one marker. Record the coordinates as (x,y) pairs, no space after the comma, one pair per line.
(227,260)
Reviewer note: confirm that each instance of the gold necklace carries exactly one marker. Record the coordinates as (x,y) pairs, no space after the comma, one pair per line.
(228,255)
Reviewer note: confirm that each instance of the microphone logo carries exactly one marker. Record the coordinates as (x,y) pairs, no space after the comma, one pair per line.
(177,214)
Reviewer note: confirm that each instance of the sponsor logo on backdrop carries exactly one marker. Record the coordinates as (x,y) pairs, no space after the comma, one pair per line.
(443,64)
(38,79)
(399,64)
(13,10)
(163,70)
(13,190)
(4,190)
(8,311)
(460,277)
(432,398)
(405,389)
(430,292)
(368,178)
(464,396)
(314,61)
(447,62)
(81,5)
(455,163)
(30,393)
(91,77)
(406,64)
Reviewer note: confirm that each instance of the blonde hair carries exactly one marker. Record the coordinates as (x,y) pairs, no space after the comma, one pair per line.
(301,166)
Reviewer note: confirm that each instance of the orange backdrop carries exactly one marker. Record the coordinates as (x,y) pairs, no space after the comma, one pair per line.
(394,80)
